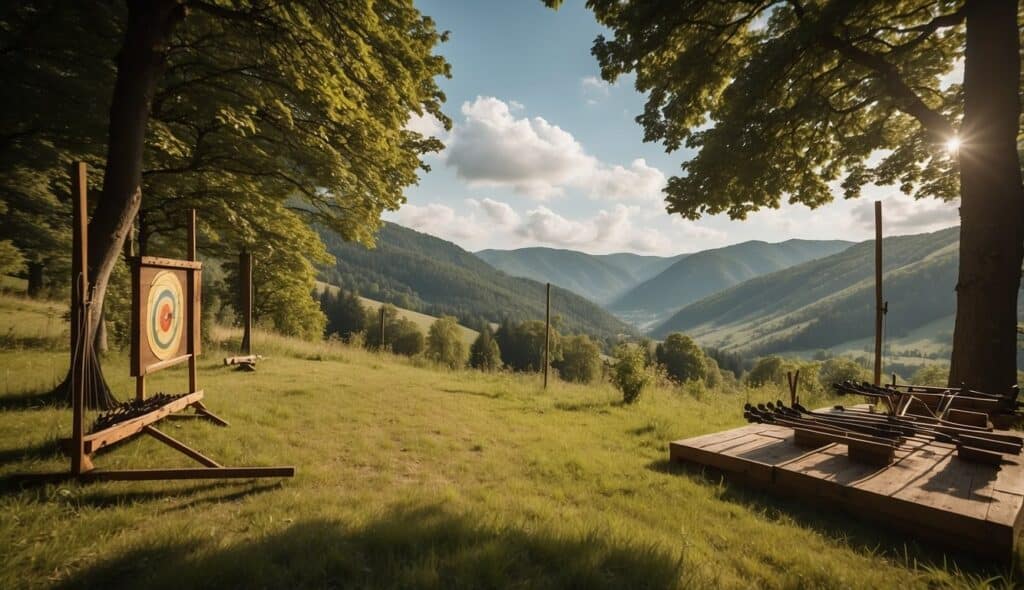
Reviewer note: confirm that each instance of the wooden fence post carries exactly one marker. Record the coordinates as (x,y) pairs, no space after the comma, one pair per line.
(547,336)
(879,305)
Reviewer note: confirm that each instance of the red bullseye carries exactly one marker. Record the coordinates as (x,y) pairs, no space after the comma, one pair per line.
(166,316)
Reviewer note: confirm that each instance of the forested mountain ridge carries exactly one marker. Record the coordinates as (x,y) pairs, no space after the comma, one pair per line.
(598,277)
(707,272)
(828,302)
(424,273)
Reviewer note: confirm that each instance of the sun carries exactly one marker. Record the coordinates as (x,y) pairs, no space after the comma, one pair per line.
(953,145)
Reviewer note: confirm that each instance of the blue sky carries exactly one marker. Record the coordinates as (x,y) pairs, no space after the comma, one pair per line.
(544,153)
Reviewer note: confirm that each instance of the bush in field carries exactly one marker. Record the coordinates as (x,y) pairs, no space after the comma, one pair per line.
(406,338)
(345,313)
(712,374)
(485,354)
(581,360)
(444,344)
(682,358)
(839,369)
(371,336)
(629,374)
(11,259)
(770,369)
(934,375)
(522,345)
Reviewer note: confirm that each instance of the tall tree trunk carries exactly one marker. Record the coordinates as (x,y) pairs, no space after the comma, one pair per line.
(992,202)
(35,279)
(140,65)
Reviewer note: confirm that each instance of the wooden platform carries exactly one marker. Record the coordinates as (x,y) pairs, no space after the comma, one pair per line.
(927,492)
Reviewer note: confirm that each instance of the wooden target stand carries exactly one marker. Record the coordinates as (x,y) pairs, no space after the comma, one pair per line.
(165,332)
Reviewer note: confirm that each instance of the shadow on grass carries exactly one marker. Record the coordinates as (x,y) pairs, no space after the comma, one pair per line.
(601,407)
(416,547)
(33,400)
(471,392)
(40,450)
(860,534)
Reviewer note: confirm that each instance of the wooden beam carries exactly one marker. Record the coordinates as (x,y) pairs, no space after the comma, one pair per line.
(245,278)
(161,365)
(547,335)
(170,262)
(108,436)
(180,446)
(79,314)
(188,473)
(194,304)
(879,304)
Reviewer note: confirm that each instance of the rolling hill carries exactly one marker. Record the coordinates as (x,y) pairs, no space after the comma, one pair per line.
(829,303)
(422,320)
(704,273)
(423,273)
(598,277)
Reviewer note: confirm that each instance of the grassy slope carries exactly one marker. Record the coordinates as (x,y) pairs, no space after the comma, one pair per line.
(834,297)
(422,320)
(415,477)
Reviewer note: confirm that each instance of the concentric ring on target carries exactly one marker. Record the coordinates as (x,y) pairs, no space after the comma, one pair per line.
(164,315)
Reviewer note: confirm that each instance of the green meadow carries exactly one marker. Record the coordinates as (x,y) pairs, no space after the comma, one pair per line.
(408,475)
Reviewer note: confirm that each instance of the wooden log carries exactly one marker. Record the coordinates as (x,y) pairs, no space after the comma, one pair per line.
(968,417)
(976,455)
(242,360)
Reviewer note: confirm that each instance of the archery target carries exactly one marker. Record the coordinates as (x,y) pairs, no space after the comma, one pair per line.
(165,315)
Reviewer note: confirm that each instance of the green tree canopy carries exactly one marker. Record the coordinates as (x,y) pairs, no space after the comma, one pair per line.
(444,343)
(522,345)
(629,375)
(839,369)
(682,358)
(581,360)
(788,100)
(485,354)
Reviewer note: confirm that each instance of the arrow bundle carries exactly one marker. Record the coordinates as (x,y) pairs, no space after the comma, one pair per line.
(879,435)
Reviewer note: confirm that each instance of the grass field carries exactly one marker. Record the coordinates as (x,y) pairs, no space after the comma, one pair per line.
(411,476)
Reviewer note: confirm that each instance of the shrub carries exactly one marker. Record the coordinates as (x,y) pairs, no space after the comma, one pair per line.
(581,360)
(712,374)
(345,313)
(522,345)
(682,358)
(934,375)
(406,338)
(629,374)
(768,370)
(485,354)
(839,369)
(444,344)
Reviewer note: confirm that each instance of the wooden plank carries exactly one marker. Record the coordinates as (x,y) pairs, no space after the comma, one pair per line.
(968,417)
(170,262)
(188,473)
(161,365)
(109,436)
(705,439)
(79,314)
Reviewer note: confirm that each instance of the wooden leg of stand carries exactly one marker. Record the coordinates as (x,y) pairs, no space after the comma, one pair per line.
(180,446)
(140,387)
(205,413)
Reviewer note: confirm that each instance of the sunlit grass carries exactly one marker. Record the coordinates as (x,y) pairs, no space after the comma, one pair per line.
(409,476)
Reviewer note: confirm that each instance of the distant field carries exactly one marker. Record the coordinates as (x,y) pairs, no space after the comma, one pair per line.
(422,320)
(409,476)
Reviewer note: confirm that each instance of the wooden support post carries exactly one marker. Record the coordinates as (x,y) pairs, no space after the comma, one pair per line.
(382,326)
(193,299)
(79,314)
(547,336)
(245,278)
(879,311)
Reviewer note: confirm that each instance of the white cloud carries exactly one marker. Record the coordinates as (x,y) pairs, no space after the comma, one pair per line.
(594,89)
(491,147)
(439,220)
(426,125)
(904,215)
(501,214)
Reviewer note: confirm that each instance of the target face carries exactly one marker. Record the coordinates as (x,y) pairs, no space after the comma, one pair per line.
(165,315)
